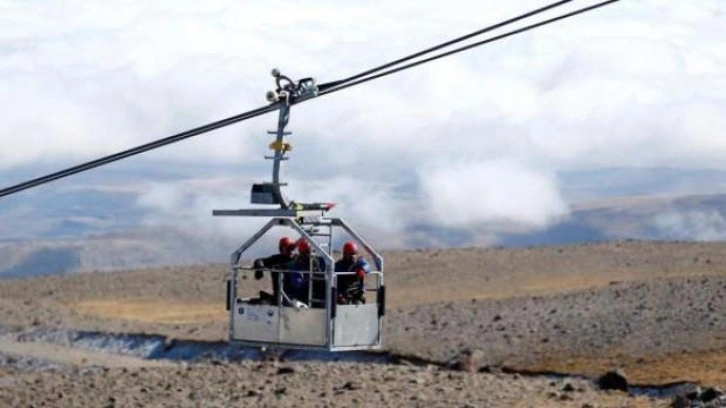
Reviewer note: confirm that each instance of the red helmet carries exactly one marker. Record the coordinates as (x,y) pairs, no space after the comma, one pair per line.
(303,247)
(285,242)
(350,248)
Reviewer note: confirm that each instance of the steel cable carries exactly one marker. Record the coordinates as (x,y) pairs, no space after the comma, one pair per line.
(325,86)
(467,47)
(136,150)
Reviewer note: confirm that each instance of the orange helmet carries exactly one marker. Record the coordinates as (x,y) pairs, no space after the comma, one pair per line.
(284,243)
(350,248)
(303,247)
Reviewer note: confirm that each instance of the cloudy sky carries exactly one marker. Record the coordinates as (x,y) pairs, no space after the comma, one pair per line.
(469,140)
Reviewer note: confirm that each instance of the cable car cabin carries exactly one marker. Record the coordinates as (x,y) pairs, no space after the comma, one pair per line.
(307,303)
(302,303)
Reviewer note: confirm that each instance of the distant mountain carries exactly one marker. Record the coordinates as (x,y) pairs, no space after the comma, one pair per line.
(100,222)
(114,251)
(701,217)
(689,218)
(590,185)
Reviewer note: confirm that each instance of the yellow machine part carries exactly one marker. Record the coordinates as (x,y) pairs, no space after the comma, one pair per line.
(281,146)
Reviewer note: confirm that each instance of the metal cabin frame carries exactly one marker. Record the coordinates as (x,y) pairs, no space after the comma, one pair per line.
(334,327)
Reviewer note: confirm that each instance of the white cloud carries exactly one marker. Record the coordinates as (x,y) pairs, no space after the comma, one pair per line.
(162,197)
(638,83)
(691,225)
(467,194)
(372,209)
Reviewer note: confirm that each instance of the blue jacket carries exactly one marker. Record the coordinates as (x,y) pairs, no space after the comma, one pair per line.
(299,278)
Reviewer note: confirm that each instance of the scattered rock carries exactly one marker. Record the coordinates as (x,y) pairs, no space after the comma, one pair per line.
(404,361)
(710,394)
(680,401)
(286,370)
(613,380)
(490,369)
(693,394)
(568,388)
(169,343)
(469,360)
(351,386)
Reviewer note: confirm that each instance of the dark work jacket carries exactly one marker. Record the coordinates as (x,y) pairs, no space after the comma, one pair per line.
(350,285)
(277,261)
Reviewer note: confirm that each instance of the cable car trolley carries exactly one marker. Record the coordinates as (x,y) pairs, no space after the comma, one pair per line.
(315,315)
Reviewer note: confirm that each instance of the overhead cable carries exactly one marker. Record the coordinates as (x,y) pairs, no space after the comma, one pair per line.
(325,86)
(467,47)
(136,150)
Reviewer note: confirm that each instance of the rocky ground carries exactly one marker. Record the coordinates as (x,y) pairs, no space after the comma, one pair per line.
(312,384)
(653,309)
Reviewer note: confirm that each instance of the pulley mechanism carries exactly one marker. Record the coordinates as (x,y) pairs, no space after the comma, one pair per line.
(290,92)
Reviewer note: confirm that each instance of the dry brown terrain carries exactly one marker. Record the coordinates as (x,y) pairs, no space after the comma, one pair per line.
(654,309)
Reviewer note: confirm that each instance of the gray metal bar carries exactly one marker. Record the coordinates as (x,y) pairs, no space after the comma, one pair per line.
(234,260)
(329,266)
(378,261)
(237,254)
(262,212)
(294,225)
(232,299)
(283,118)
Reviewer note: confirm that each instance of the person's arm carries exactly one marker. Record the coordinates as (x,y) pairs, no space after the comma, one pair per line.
(362,268)
(263,263)
(259,263)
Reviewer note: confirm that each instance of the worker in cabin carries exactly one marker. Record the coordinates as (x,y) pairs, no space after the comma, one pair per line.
(306,270)
(351,271)
(278,262)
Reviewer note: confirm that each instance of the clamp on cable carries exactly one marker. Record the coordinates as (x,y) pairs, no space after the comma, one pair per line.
(290,92)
